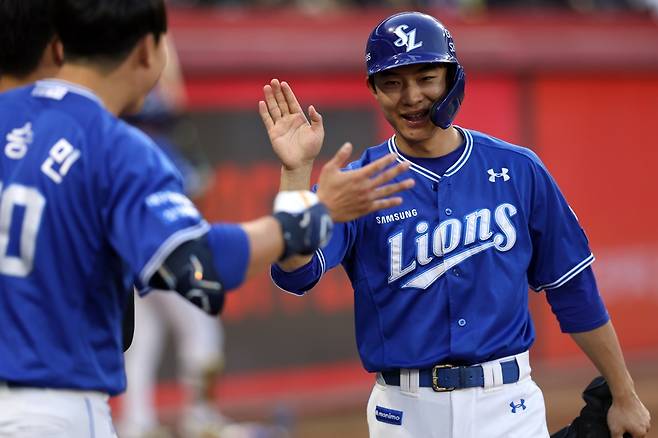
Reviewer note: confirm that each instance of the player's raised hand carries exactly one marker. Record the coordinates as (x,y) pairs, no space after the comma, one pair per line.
(352,193)
(295,141)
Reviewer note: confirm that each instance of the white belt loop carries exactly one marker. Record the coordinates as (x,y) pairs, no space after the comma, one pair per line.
(493,372)
(409,381)
(523,360)
(414,381)
(493,375)
(404,380)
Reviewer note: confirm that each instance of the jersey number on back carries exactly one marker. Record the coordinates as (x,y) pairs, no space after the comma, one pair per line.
(17,260)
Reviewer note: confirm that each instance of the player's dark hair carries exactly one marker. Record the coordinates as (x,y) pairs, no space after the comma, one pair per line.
(26,28)
(107,29)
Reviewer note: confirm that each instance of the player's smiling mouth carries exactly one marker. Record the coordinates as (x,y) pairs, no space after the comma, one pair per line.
(416,118)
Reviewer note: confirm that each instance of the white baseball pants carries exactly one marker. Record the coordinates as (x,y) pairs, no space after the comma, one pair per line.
(52,413)
(513,410)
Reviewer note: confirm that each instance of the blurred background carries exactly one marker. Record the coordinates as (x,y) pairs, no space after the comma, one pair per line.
(575,80)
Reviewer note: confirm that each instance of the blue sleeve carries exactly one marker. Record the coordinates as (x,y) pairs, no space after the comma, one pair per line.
(577,304)
(560,247)
(146,213)
(229,244)
(303,279)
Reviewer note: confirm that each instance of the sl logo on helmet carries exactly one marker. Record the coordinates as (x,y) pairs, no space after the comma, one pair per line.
(451,43)
(406,38)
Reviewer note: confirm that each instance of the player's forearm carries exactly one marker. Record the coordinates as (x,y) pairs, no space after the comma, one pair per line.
(299,226)
(296,179)
(265,243)
(602,347)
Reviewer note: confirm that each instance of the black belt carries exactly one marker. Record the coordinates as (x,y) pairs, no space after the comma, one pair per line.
(444,378)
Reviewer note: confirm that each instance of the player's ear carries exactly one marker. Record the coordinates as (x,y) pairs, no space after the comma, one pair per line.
(370,83)
(57,51)
(145,50)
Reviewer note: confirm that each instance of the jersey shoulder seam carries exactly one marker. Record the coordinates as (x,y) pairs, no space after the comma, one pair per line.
(506,146)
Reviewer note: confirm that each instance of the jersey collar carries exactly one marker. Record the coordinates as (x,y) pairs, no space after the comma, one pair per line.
(392,147)
(57,88)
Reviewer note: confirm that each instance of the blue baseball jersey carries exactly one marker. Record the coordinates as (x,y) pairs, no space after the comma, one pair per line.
(89,206)
(444,277)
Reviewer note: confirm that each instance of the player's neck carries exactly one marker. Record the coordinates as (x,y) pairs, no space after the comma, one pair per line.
(442,142)
(113,88)
(7,82)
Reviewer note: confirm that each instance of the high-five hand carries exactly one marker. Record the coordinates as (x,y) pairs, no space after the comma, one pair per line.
(349,194)
(295,141)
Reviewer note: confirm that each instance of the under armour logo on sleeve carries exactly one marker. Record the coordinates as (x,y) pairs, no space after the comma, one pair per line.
(515,406)
(504,174)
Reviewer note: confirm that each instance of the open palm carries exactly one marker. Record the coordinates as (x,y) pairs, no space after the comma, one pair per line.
(295,141)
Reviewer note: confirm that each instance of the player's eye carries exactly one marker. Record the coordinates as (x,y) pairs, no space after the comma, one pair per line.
(428,78)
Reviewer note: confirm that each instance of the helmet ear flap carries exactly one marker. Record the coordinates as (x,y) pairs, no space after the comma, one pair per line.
(444,110)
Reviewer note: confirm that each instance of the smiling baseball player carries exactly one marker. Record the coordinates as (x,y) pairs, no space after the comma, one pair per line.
(441,282)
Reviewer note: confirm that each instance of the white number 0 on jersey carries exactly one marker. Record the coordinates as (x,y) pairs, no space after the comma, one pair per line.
(33,202)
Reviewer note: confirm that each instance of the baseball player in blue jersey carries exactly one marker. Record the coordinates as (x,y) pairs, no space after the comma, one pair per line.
(441,282)
(89,206)
(31,52)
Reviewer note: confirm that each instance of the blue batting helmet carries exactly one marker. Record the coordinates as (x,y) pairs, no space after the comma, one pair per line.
(414,38)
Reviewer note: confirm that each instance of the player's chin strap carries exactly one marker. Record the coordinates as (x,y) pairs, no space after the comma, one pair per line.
(305,222)
(189,271)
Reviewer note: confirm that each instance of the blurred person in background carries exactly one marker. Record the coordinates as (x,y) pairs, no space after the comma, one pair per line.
(441,283)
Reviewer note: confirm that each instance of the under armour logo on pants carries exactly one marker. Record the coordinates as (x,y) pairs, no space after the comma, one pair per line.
(515,406)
